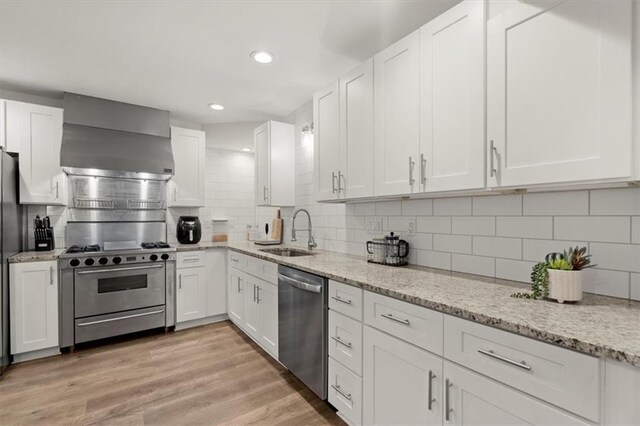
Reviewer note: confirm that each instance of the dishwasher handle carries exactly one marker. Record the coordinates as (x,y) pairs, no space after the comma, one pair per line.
(313,288)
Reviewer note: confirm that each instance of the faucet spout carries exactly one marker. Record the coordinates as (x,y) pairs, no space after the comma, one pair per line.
(312,242)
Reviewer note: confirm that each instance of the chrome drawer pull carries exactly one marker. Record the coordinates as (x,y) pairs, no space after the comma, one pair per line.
(339,299)
(521,364)
(447,403)
(391,317)
(144,314)
(431,398)
(341,392)
(133,268)
(342,342)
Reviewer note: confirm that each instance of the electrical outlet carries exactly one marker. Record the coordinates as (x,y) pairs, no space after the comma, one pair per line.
(374,226)
(411,227)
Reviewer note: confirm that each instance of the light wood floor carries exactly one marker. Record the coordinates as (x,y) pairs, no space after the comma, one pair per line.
(206,375)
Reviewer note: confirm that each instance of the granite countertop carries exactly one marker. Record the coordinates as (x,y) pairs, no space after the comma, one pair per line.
(202,245)
(36,256)
(598,325)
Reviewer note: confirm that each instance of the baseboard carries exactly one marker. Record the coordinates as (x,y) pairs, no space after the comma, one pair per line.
(42,353)
(201,321)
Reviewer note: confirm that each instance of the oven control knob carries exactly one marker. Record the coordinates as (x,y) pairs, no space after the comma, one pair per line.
(103,260)
(74,262)
(165,256)
(117,260)
(89,262)
(153,257)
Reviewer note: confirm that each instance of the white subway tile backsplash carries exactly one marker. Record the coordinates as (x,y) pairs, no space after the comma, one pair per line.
(509,248)
(612,202)
(365,209)
(473,264)
(620,257)
(434,259)
(440,225)
(572,203)
(473,225)
(452,206)
(608,283)
(635,230)
(388,208)
(498,205)
(419,241)
(635,287)
(608,229)
(417,207)
(452,243)
(525,227)
(515,270)
(536,250)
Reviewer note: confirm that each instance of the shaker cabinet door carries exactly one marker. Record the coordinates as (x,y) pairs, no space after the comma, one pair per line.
(268,301)
(191,296)
(186,187)
(262,166)
(235,292)
(326,119)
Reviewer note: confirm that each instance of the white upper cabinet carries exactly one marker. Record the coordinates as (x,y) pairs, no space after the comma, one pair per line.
(452,70)
(3,124)
(274,164)
(35,132)
(355,176)
(186,187)
(397,117)
(559,92)
(326,119)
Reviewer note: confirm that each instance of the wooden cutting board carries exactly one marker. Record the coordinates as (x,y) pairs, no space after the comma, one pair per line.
(276,228)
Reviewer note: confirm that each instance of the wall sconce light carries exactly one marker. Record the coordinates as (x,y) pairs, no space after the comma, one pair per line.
(307,137)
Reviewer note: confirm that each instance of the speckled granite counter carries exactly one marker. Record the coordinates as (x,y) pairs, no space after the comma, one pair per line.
(202,245)
(601,326)
(36,256)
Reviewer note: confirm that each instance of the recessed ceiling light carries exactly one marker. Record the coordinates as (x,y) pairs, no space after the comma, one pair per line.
(216,107)
(262,56)
(246,149)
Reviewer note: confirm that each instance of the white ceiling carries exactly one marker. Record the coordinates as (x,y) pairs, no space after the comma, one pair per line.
(182,55)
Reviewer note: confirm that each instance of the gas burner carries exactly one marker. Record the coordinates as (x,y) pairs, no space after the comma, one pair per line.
(92,248)
(84,249)
(156,245)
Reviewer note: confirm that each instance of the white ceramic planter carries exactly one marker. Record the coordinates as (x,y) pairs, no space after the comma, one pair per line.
(565,286)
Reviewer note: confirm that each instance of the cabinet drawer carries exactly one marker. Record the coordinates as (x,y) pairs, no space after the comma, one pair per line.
(236,260)
(345,341)
(345,299)
(566,378)
(262,269)
(345,392)
(415,324)
(190,259)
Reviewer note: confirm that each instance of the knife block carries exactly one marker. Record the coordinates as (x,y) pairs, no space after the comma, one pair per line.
(45,240)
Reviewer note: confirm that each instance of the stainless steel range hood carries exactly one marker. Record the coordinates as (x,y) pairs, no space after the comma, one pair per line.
(115,139)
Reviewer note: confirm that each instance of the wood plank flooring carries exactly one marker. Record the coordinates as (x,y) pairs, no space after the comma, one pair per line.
(207,375)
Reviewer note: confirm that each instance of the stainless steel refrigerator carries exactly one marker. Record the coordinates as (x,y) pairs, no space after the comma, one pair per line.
(10,240)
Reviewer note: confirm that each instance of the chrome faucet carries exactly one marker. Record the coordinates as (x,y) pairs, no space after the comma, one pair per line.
(312,242)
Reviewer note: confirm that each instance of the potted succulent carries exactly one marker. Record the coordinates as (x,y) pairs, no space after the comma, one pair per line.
(565,274)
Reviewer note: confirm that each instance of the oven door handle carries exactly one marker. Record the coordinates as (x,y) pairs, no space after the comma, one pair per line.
(134,268)
(144,314)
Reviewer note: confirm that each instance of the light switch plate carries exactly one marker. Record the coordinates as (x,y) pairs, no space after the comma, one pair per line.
(374,226)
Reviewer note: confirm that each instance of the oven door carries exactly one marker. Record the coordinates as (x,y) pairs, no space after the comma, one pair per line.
(119,288)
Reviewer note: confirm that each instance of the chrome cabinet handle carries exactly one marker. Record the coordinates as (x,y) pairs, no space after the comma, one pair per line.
(423,169)
(333,182)
(447,402)
(340,176)
(193,259)
(492,354)
(239,285)
(342,342)
(391,317)
(341,392)
(258,294)
(179,281)
(264,193)
(234,260)
(254,292)
(144,314)
(341,300)
(57,185)
(492,151)
(175,194)
(411,164)
(132,268)
(51,275)
(430,396)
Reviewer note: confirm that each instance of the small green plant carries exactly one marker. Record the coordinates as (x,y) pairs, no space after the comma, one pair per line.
(578,258)
(539,283)
(559,263)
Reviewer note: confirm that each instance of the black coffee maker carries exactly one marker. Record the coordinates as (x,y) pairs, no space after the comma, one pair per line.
(189,230)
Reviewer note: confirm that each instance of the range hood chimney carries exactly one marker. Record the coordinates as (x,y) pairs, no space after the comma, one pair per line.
(114,139)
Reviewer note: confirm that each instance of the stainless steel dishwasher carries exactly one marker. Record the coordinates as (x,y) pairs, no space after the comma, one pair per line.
(302,327)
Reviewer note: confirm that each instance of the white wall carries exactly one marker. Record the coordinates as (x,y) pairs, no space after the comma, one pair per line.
(233,136)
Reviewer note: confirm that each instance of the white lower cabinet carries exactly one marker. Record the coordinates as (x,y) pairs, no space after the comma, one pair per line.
(235,296)
(33,292)
(472,399)
(402,384)
(191,296)
(251,307)
(345,392)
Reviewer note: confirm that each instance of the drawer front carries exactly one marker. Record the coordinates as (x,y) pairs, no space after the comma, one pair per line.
(415,324)
(236,260)
(345,299)
(566,378)
(345,392)
(345,341)
(265,270)
(190,259)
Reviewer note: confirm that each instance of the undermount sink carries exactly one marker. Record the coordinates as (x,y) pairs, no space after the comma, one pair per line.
(287,252)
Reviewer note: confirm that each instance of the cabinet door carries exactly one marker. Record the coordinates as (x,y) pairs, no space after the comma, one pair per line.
(452,99)
(251,308)
(3,125)
(235,292)
(399,381)
(326,119)
(356,133)
(216,275)
(34,306)
(397,117)
(186,188)
(35,132)
(559,89)
(475,400)
(263,172)
(268,300)
(191,296)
